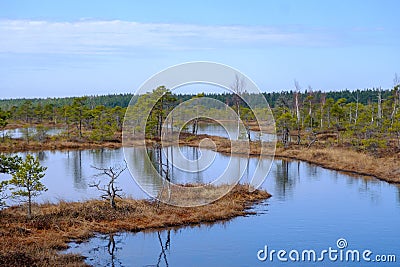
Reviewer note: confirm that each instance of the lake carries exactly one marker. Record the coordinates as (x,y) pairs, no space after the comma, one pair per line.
(230,131)
(310,209)
(30,131)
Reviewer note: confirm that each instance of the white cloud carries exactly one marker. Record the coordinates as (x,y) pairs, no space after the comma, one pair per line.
(105,37)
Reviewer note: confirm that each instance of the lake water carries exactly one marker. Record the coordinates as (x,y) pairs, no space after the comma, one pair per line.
(69,173)
(311,208)
(230,131)
(31,131)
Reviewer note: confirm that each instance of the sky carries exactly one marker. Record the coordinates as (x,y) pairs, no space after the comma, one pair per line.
(71,48)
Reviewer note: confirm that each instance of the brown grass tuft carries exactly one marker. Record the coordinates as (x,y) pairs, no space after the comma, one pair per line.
(342,159)
(36,242)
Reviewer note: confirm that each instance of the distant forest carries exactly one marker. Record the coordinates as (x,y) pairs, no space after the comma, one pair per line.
(366,96)
(363,119)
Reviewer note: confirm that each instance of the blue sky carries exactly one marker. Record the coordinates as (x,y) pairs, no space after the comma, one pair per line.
(68,48)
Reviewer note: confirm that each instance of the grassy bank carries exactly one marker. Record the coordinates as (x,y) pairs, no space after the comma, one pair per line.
(18,145)
(384,167)
(37,242)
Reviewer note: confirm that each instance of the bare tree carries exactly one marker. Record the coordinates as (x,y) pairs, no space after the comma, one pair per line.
(296,95)
(379,115)
(310,98)
(296,100)
(323,101)
(396,97)
(238,87)
(109,188)
(356,111)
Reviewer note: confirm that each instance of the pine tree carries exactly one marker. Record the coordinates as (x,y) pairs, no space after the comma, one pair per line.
(26,181)
(78,113)
(4,116)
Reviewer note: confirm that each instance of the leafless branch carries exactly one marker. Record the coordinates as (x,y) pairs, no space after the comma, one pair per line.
(110,190)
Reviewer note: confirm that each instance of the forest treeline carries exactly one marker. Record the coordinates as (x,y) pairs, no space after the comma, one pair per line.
(111,100)
(363,119)
(364,97)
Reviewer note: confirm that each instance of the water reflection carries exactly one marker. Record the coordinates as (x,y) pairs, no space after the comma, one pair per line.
(398,195)
(181,166)
(369,188)
(69,173)
(42,155)
(111,249)
(312,171)
(108,249)
(284,180)
(308,203)
(306,221)
(165,246)
(231,132)
(30,131)
(105,253)
(74,166)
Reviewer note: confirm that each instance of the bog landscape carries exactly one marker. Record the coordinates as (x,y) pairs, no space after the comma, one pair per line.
(199,133)
(79,139)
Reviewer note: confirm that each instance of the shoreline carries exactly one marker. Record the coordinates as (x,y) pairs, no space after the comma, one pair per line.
(17,145)
(342,159)
(39,241)
(371,167)
(335,158)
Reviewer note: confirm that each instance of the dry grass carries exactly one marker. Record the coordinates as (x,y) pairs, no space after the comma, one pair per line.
(385,167)
(36,242)
(342,159)
(18,145)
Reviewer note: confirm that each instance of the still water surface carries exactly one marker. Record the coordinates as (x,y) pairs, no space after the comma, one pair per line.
(230,131)
(69,173)
(311,208)
(30,131)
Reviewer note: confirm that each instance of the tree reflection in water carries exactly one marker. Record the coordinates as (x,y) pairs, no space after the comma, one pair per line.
(398,195)
(164,248)
(284,178)
(74,165)
(111,248)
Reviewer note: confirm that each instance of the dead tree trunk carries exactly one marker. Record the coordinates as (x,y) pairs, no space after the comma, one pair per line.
(110,190)
(238,88)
